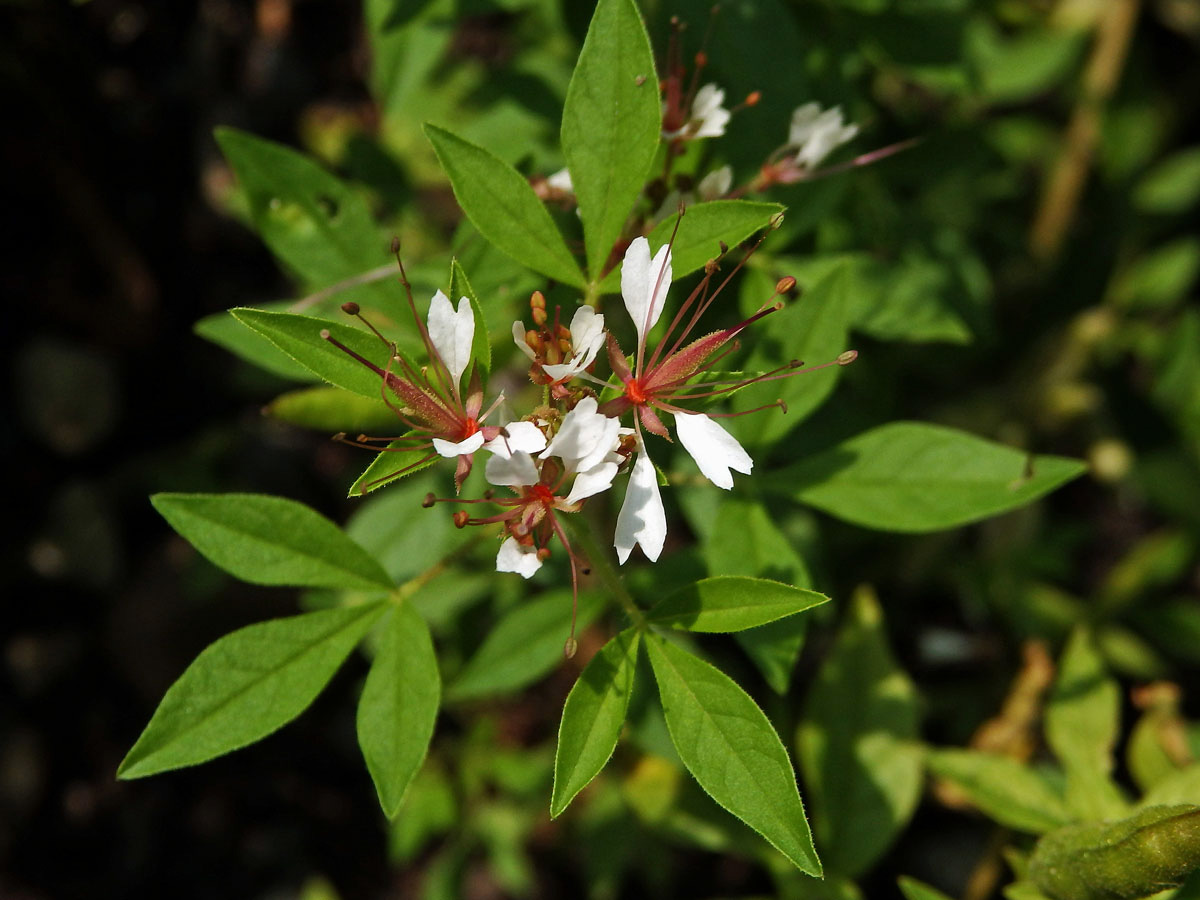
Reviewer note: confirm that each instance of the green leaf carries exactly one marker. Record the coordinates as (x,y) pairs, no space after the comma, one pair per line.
(1160,278)
(729,746)
(271,540)
(332,409)
(481,347)
(918,890)
(399,705)
(611,125)
(502,205)
(245,686)
(1181,786)
(1007,791)
(1138,856)
(811,329)
(386,467)
(1172,186)
(701,232)
(914,477)
(1082,725)
(858,744)
(744,540)
(592,718)
(310,219)
(524,645)
(731,603)
(300,338)
(227,332)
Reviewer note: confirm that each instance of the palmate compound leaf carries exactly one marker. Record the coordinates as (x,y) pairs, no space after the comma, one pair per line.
(271,540)
(611,123)
(399,705)
(858,742)
(731,749)
(728,603)
(245,686)
(915,477)
(592,717)
(501,204)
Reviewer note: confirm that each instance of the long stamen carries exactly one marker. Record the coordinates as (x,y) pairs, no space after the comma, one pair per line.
(443,373)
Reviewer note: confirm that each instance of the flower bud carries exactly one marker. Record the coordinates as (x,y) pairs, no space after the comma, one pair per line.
(350,308)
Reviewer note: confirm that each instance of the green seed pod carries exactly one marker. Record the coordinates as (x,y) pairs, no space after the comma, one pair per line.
(1135,857)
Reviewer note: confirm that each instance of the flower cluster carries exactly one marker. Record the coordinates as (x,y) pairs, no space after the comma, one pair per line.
(588,430)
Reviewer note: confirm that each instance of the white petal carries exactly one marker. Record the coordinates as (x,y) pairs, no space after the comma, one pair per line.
(639,276)
(452,332)
(561,180)
(515,558)
(642,519)
(585,436)
(519,340)
(515,471)
(803,121)
(707,100)
(519,436)
(593,481)
(449,449)
(587,336)
(713,448)
(715,184)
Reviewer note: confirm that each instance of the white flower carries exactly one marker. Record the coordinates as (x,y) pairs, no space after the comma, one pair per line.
(642,519)
(587,335)
(452,332)
(515,557)
(707,117)
(517,436)
(515,470)
(815,134)
(713,448)
(644,283)
(586,442)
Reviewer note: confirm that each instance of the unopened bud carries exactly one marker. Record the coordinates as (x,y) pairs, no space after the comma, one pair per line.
(785,285)
(563,333)
(324,334)
(429,500)
(848,357)
(777,220)
(543,553)
(753,97)
(460,518)
(350,308)
(564,345)
(395,244)
(570,648)
(701,59)
(537,300)
(539,316)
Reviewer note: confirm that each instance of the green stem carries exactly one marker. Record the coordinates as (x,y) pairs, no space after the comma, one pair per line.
(581,534)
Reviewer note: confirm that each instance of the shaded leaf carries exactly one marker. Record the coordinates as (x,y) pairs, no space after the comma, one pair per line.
(523,646)
(593,716)
(227,332)
(271,540)
(731,749)
(332,409)
(914,477)
(858,744)
(917,890)
(399,705)
(245,686)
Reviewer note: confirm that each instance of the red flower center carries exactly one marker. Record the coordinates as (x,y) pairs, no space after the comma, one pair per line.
(636,393)
(543,493)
